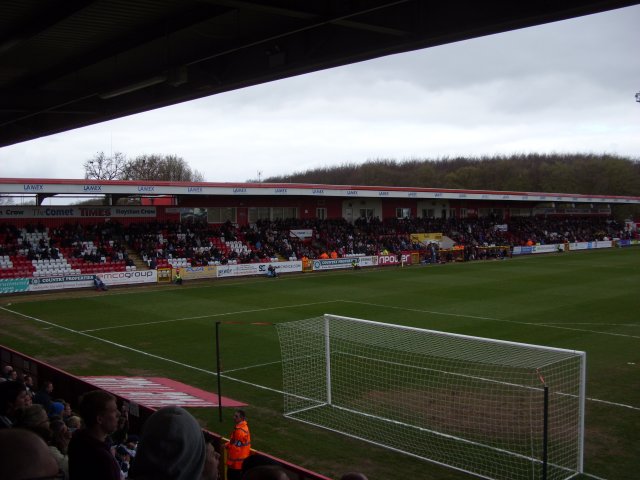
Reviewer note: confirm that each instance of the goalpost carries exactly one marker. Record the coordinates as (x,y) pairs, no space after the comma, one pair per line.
(491,408)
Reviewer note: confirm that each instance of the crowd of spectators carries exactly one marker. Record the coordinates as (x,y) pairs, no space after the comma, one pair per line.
(205,244)
(218,244)
(41,437)
(97,243)
(40,412)
(49,420)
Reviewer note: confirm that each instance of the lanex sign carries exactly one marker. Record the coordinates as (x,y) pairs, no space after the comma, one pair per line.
(33,187)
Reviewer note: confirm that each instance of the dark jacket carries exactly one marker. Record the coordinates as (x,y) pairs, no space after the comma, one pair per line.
(90,459)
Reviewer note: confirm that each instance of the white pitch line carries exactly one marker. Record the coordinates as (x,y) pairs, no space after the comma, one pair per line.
(492,319)
(613,403)
(419,310)
(222,375)
(592,323)
(253,366)
(592,476)
(119,345)
(213,315)
(141,352)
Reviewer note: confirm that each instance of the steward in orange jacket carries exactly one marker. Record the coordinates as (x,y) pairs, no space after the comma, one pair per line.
(239,446)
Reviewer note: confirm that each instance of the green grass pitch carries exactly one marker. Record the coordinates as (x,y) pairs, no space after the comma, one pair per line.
(585,301)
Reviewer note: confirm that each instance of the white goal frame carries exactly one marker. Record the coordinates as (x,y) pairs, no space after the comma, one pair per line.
(473,404)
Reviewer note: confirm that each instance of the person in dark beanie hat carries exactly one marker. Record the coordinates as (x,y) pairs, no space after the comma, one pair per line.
(172,447)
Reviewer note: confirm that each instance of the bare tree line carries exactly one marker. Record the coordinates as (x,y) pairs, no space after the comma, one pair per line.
(144,167)
(566,173)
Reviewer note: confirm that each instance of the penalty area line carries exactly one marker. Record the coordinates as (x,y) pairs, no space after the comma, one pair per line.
(462,315)
(103,340)
(213,315)
(142,352)
(592,476)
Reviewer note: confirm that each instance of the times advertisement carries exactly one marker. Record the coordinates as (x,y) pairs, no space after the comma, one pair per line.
(14,212)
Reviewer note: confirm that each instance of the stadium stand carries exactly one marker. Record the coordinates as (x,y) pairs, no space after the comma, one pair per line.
(36,251)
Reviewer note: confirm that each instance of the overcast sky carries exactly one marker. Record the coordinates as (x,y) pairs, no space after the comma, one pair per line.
(563,87)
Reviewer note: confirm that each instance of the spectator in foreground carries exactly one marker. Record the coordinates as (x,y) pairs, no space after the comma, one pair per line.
(266,472)
(59,445)
(7,371)
(23,454)
(56,409)
(172,447)
(28,382)
(35,419)
(13,398)
(89,454)
(43,396)
(74,422)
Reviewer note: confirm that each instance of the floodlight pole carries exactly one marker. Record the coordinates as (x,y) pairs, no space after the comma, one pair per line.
(218,370)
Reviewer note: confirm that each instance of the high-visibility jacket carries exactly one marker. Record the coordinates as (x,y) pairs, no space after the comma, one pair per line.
(239,446)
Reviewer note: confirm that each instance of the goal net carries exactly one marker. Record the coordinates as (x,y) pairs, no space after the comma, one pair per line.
(473,404)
